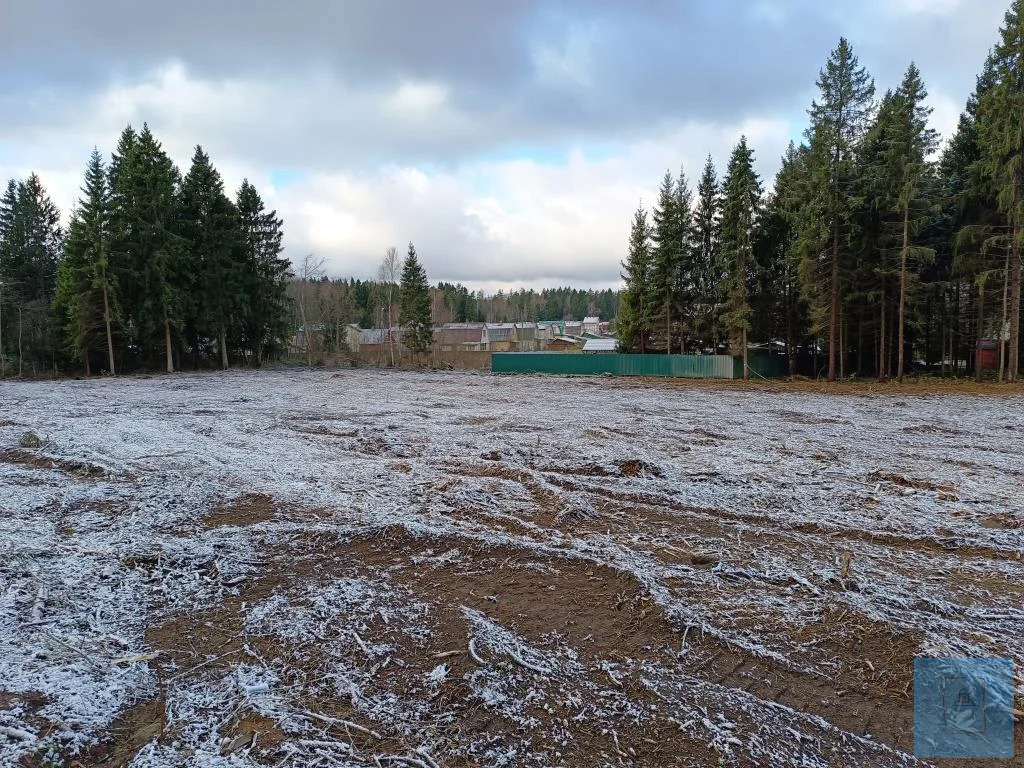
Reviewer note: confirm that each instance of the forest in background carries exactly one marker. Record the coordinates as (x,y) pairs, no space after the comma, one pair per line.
(872,251)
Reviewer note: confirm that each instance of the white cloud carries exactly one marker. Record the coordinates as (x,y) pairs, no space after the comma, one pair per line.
(414,97)
(488,223)
(535,224)
(567,63)
(935,7)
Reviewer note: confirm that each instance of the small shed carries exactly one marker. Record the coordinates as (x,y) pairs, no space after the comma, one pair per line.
(988,354)
(565,344)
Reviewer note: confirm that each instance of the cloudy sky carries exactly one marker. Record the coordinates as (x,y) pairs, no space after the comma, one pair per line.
(510,140)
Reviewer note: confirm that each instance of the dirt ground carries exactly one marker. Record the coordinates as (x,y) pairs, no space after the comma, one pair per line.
(376,568)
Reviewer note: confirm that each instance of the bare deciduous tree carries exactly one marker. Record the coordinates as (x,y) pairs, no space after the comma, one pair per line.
(312,269)
(389,273)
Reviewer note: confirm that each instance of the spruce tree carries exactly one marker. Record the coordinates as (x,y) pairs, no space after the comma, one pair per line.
(741,203)
(29,250)
(84,305)
(414,315)
(671,252)
(148,254)
(210,227)
(838,121)
(265,320)
(780,312)
(906,154)
(705,255)
(634,309)
(663,259)
(8,202)
(685,290)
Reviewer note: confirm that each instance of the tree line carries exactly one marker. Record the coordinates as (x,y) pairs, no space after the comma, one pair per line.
(872,250)
(155,269)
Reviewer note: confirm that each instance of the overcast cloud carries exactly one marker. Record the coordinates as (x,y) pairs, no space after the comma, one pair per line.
(510,140)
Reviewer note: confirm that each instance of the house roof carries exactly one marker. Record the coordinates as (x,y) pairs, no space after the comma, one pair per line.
(600,345)
(591,319)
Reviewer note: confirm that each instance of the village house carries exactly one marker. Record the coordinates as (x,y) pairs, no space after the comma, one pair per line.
(376,343)
(460,337)
(500,337)
(526,337)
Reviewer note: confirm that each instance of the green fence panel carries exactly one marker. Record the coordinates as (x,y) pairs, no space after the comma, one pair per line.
(762,366)
(681,366)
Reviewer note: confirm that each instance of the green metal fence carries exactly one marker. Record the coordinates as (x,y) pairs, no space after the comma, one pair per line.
(694,366)
(680,366)
(764,366)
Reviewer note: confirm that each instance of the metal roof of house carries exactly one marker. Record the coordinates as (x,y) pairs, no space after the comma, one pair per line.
(592,319)
(600,345)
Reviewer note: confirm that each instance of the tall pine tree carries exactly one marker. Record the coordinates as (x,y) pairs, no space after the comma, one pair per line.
(741,204)
(707,263)
(265,315)
(838,122)
(634,319)
(414,315)
(84,306)
(210,227)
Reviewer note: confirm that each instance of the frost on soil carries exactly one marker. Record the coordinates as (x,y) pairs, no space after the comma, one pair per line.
(384,568)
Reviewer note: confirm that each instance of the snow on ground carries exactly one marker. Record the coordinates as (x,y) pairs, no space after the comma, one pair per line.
(395,568)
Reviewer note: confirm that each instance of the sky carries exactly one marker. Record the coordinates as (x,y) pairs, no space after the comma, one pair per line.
(511,141)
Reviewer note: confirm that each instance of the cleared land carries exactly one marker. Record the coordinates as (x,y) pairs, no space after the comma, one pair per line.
(402,569)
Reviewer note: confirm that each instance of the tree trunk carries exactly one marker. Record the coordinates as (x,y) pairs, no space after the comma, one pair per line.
(903,293)
(1006,317)
(981,328)
(842,347)
(223,343)
(668,322)
(881,336)
(1015,275)
(746,359)
(85,363)
(305,326)
(106,322)
(167,343)
(833,318)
